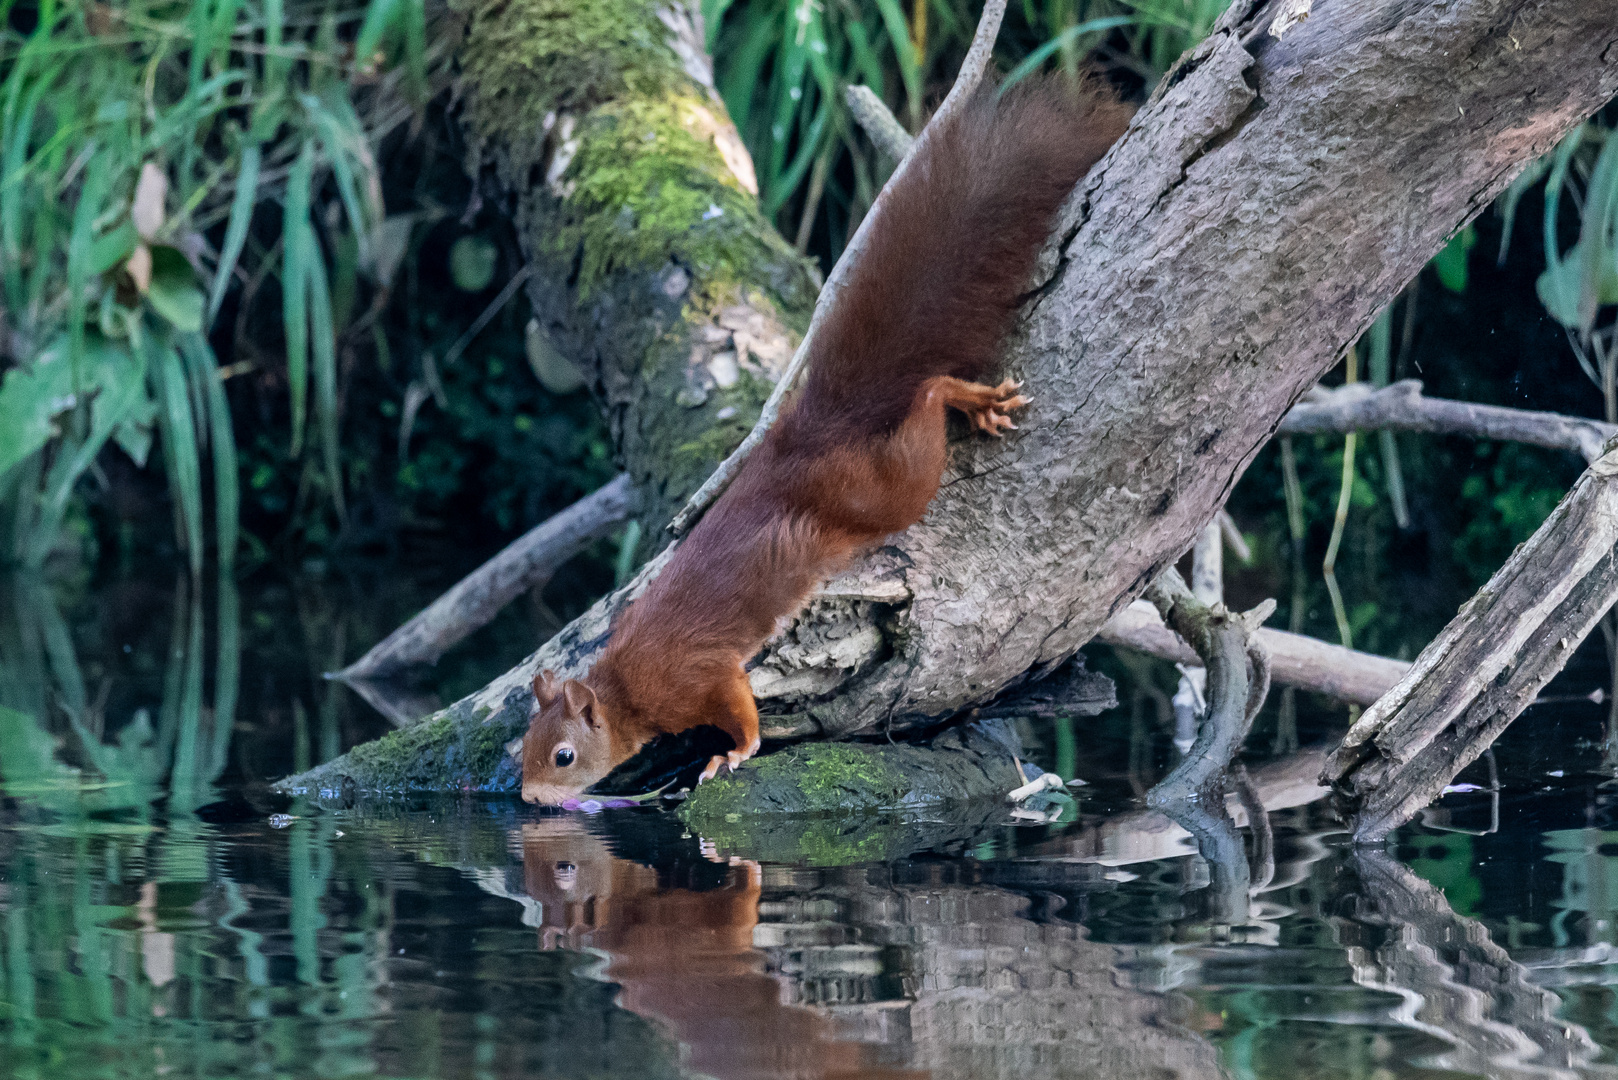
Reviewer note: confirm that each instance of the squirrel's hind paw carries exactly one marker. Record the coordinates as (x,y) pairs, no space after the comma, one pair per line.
(988,408)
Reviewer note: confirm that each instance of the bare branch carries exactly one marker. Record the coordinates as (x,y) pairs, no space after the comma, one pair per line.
(879,123)
(972,68)
(476,598)
(1234,538)
(1487,665)
(1296,660)
(1401,407)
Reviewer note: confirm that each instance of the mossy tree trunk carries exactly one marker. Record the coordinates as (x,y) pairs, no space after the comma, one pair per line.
(655,273)
(1264,206)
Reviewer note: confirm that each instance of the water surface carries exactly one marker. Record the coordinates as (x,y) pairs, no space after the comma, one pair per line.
(161,914)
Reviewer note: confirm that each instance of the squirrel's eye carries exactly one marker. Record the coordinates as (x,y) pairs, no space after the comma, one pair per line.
(564,757)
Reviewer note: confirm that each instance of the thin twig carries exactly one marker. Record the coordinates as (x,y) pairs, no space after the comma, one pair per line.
(494,308)
(479,596)
(1345,492)
(1402,407)
(971,73)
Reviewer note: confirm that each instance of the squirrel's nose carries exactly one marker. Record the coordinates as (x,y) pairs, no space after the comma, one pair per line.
(543,794)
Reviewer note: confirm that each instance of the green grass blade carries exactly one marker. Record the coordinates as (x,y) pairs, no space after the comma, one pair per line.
(381,16)
(324,341)
(121,383)
(808,149)
(792,63)
(893,20)
(1036,59)
(241,216)
(227,673)
(337,146)
(1560,163)
(204,370)
(224,27)
(1596,252)
(744,66)
(713,14)
(179,432)
(415,38)
(294,287)
(276,64)
(80,249)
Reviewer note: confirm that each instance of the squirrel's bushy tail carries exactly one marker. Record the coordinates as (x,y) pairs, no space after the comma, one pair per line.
(952,249)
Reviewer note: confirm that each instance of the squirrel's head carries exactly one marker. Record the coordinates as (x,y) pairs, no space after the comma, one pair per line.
(567,747)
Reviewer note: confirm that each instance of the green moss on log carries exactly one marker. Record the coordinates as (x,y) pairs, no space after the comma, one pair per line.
(648,184)
(528,58)
(461,748)
(971,763)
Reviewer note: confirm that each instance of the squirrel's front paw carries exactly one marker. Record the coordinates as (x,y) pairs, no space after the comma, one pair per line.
(730,761)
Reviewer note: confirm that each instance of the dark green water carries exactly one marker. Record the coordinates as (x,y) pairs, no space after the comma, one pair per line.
(161,915)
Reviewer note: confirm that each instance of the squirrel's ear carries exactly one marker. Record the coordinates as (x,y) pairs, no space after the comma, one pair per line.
(545,688)
(581,701)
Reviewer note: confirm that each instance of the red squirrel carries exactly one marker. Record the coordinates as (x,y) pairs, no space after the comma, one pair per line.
(858,453)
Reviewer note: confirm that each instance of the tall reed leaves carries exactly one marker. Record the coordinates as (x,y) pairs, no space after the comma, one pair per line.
(136,141)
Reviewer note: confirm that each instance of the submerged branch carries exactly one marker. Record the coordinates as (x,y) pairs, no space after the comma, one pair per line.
(1238,680)
(1487,665)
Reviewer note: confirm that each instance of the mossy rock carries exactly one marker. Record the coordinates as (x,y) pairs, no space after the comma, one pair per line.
(835,803)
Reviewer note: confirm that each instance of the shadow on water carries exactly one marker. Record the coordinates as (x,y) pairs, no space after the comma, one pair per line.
(159,914)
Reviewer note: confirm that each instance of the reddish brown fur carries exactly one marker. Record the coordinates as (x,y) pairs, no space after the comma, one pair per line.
(859,453)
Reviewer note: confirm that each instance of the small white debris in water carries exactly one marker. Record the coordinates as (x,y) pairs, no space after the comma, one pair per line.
(712,212)
(1558,772)
(281,821)
(1461,788)
(726,413)
(339,832)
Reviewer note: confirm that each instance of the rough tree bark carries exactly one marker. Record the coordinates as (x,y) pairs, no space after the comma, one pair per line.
(1269,200)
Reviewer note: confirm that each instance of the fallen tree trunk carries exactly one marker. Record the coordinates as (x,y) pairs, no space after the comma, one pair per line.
(1488,664)
(654,272)
(1206,274)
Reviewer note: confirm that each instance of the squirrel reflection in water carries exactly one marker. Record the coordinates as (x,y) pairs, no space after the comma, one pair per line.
(685,958)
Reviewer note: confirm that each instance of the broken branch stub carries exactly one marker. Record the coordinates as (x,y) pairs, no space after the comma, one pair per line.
(1238,680)
(1488,664)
